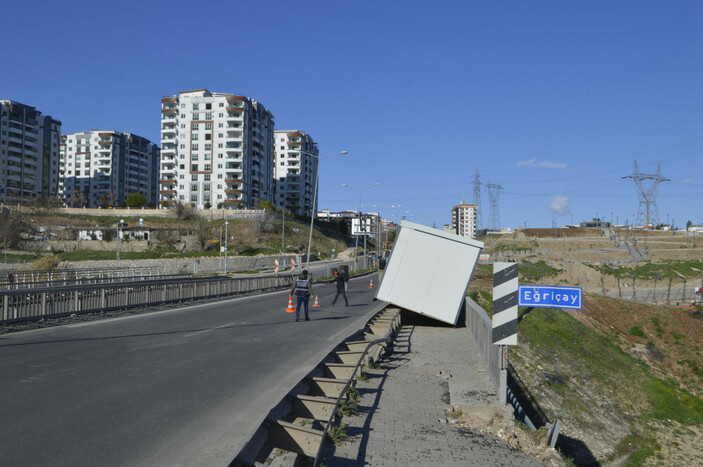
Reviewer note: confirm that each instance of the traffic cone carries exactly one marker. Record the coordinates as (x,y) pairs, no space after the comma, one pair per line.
(316,304)
(371,284)
(290,308)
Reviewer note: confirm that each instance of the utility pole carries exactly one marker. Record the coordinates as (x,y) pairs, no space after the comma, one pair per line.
(283,229)
(226,224)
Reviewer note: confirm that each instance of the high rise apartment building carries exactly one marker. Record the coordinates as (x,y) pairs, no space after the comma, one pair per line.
(464,220)
(29,154)
(102,168)
(296,171)
(216,150)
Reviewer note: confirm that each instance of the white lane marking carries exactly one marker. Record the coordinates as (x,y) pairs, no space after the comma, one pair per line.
(213,329)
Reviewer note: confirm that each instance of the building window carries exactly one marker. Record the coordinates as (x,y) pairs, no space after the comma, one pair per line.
(195,137)
(194,178)
(194,126)
(207,177)
(196,106)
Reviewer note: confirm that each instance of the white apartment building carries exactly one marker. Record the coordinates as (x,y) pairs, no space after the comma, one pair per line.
(102,168)
(29,154)
(296,171)
(216,150)
(464,220)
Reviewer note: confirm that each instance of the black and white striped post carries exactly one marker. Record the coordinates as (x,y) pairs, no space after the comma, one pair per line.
(505,299)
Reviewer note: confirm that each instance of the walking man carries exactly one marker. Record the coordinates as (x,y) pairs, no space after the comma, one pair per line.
(302,289)
(339,280)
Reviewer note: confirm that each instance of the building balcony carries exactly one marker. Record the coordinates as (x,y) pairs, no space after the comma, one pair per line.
(294,134)
(167,202)
(233,201)
(169,110)
(230,181)
(167,181)
(167,192)
(169,100)
(235,98)
(229,192)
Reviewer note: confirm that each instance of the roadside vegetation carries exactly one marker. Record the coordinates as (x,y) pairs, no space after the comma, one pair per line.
(658,270)
(627,390)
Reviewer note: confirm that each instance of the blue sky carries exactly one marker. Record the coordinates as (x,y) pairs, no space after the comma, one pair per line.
(553,100)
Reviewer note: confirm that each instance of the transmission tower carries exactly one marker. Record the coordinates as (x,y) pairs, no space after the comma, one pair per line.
(647,189)
(477,200)
(494,192)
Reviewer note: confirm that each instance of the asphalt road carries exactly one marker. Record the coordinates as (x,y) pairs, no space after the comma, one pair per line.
(184,386)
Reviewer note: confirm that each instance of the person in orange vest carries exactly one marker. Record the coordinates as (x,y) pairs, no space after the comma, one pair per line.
(339,280)
(302,289)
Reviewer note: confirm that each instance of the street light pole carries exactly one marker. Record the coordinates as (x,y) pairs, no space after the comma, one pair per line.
(313,209)
(226,224)
(119,224)
(356,244)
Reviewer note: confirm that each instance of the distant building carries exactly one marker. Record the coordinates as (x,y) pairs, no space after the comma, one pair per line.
(295,171)
(596,222)
(464,220)
(29,154)
(216,150)
(449,228)
(102,168)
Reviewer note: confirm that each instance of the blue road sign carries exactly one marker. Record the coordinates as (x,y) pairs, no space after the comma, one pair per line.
(550,296)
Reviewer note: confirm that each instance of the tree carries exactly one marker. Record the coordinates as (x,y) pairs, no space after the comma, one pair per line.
(136,200)
(168,238)
(78,198)
(203,233)
(13,228)
(184,212)
(688,225)
(106,199)
(266,205)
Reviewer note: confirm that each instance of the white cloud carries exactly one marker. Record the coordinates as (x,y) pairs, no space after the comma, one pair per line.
(559,205)
(543,164)
(689,181)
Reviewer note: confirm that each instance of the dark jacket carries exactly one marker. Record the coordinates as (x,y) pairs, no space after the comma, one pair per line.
(340,282)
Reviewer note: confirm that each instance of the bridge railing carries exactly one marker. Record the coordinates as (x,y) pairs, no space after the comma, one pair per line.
(481,328)
(34,304)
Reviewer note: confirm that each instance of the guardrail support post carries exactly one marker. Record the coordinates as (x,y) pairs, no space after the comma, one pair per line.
(5,300)
(76,307)
(43,303)
(103,304)
(503,383)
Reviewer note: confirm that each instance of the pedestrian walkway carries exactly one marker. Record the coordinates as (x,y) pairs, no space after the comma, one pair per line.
(402,412)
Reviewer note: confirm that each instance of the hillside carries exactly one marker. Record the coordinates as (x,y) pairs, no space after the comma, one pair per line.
(169,236)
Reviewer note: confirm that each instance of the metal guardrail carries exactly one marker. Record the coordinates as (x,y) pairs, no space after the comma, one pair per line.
(317,399)
(481,328)
(33,304)
(58,282)
(26,276)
